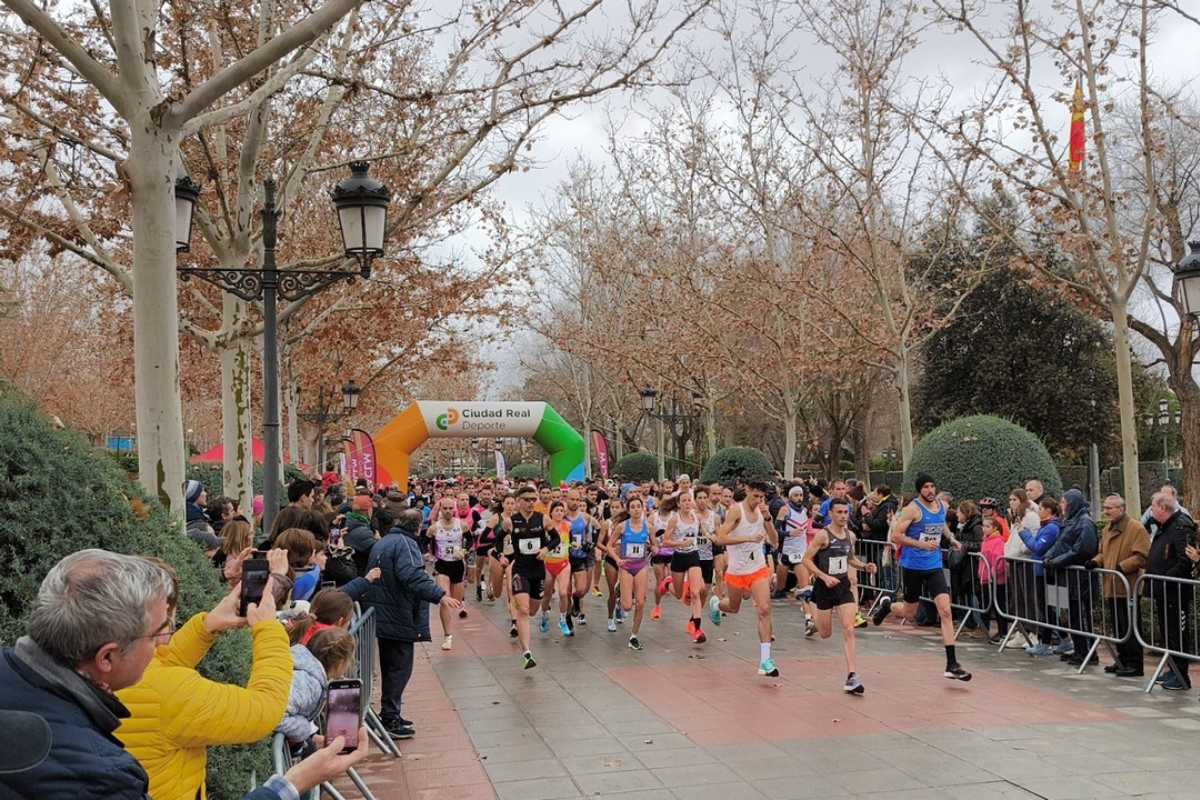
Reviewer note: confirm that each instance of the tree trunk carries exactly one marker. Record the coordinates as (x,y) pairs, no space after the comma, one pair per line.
(237,428)
(1129,444)
(618,437)
(904,408)
(292,395)
(161,452)
(789,445)
(587,445)
(862,460)
(1189,407)
(710,432)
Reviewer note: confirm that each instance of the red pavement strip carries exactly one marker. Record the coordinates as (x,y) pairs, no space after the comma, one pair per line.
(904,693)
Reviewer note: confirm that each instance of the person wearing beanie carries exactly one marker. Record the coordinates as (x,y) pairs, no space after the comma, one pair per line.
(199,529)
(359,534)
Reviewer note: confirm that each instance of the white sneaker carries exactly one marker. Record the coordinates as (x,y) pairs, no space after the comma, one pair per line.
(448,643)
(612,625)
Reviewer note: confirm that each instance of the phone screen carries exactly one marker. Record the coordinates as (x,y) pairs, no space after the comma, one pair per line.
(255,572)
(343,713)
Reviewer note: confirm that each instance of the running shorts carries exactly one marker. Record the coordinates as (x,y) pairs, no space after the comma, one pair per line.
(927,582)
(609,560)
(657,559)
(744,582)
(528,584)
(826,598)
(580,564)
(454,570)
(682,562)
(556,567)
(706,569)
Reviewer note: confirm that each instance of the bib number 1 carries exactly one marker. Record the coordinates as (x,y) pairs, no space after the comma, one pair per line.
(838,565)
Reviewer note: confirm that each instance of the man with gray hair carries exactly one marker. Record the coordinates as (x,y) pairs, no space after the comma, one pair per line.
(1174,530)
(1124,545)
(95,624)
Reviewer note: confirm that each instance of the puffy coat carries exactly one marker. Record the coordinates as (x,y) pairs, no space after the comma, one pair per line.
(402,595)
(1077,543)
(307,695)
(1040,543)
(359,536)
(1167,556)
(86,762)
(176,713)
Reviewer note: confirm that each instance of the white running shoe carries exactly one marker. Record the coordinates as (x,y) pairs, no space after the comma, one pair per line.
(448,643)
(612,625)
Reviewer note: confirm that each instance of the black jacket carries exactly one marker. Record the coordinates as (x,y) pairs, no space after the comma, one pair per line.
(85,760)
(1078,542)
(875,524)
(1167,555)
(360,536)
(402,595)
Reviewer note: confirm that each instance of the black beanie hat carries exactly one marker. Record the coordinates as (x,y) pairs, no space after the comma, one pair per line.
(922,479)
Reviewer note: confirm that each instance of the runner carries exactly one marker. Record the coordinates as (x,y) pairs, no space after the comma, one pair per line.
(446,537)
(502,558)
(612,572)
(687,581)
(531,542)
(747,525)
(661,560)
(597,506)
(704,545)
(628,548)
(794,524)
(582,536)
(558,574)
(919,530)
(829,558)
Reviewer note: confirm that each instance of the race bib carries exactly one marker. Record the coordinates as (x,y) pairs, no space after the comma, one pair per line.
(561,550)
(926,536)
(635,550)
(529,547)
(703,542)
(577,542)
(838,565)
(508,551)
(451,553)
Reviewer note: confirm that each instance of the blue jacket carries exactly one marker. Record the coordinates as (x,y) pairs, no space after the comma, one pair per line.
(85,761)
(402,595)
(1040,543)
(1078,542)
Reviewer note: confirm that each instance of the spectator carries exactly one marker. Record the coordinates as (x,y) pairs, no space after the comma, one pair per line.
(331,608)
(199,530)
(1124,547)
(236,536)
(300,493)
(304,561)
(962,571)
(96,621)
(1034,490)
(1148,520)
(220,510)
(177,713)
(1174,531)
(1038,545)
(359,536)
(401,599)
(993,574)
(1077,545)
(294,516)
(987,508)
(325,656)
(877,523)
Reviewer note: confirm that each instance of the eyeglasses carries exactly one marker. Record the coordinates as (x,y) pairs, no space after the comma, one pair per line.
(167,629)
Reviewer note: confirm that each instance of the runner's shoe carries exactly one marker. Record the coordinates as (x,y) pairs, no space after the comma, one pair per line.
(596,591)
(955,672)
(479,592)
(853,684)
(564,628)
(620,616)
(462,614)
(581,619)
(634,644)
(768,668)
(810,627)
(612,625)
(881,613)
(448,643)
(656,614)
(527,658)
(714,610)
(691,629)
(698,637)
(544,623)
(665,584)
(859,620)
(512,629)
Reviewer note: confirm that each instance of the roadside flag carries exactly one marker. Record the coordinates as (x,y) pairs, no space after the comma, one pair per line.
(1077,132)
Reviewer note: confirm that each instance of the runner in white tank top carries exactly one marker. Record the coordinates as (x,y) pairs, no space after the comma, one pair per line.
(746,527)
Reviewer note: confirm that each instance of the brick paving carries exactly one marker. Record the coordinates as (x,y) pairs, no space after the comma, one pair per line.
(678,720)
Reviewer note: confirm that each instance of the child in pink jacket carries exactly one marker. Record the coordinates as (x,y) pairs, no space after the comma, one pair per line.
(993,574)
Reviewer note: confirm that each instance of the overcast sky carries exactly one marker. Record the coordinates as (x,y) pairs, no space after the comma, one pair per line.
(1174,59)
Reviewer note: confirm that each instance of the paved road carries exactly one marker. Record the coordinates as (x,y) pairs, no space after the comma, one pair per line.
(678,720)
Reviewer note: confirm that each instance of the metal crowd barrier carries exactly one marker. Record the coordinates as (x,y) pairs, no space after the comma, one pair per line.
(365,644)
(1097,604)
(281,758)
(885,581)
(1171,605)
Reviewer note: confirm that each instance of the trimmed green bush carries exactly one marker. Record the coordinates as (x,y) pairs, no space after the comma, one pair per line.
(730,463)
(59,495)
(639,466)
(525,472)
(982,456)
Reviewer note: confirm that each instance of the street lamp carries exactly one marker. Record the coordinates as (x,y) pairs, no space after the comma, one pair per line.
(350,395)
(361,204)
(1187,281)
(649,403)
(649,399)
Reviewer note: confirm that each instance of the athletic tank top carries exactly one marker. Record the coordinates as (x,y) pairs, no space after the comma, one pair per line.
(708,524)
(561,552)
(635,545)
(660,526)
(687,532)
(580,537)
(795,532)
(746,558)
(448,542)
(834,558)
(928,528)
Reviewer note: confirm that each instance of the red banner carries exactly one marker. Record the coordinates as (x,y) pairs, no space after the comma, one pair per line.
(360,457)
(600,445)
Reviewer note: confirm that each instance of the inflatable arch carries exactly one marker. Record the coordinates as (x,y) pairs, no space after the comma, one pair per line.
(442,419)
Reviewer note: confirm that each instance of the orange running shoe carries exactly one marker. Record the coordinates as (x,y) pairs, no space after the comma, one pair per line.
(691,629)
(656,614)
(664,584)
(698,637)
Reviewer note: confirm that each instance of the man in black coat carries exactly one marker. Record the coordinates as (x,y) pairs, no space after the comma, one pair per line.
(401,599)
(1077,544)
(1174,531)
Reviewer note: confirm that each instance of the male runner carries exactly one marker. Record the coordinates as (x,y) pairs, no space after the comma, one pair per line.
(747,525)
(919,530)
(794,524)
(446,537)
(531,543)
(829,559)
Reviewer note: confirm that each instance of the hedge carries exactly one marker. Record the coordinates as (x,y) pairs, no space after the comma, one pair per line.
(639,466)
(982,456)
(525,472)
(731,463)
(59,495)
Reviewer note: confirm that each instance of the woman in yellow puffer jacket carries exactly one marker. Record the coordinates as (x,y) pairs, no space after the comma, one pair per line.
(176,713)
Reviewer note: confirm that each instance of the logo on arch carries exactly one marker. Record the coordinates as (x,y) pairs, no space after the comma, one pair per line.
(444,421)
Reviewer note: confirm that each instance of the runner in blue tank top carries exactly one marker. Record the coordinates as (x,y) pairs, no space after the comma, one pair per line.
(919,530)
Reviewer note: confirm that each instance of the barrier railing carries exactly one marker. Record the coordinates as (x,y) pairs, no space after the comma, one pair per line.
(365,643)
(1171,606)
(884,582)
(1095,605)
(282,761)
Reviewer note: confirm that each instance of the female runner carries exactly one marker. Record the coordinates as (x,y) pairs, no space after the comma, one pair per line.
(682,535)
(631,547)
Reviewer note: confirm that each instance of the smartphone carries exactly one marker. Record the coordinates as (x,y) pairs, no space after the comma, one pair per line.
(343,712)
(255,572)
(328,585)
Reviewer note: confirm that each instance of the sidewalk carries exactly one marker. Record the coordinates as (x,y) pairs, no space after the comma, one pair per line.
(678,720)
